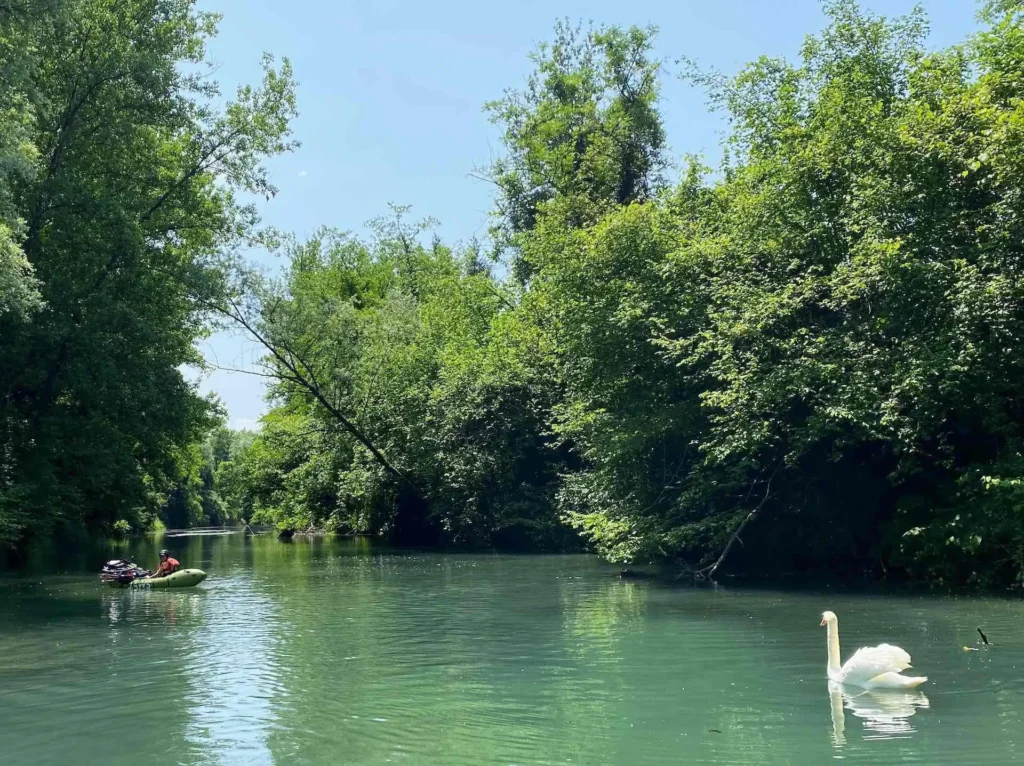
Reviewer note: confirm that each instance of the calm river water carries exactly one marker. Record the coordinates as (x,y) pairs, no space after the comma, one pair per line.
(327,652)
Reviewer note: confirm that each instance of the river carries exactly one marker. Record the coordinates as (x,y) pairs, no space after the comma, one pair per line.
(333,652)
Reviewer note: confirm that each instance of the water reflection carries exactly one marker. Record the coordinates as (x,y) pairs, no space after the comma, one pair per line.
(231,677)
(124,608)
(885,713)
(320,653)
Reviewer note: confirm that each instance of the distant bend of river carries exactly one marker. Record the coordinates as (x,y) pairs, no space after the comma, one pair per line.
(332,652)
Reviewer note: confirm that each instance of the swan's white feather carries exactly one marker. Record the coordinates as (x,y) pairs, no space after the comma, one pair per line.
(870,662)
(895,681)
(873,667)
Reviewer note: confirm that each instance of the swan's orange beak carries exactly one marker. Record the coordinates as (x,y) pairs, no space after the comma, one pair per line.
(822,623)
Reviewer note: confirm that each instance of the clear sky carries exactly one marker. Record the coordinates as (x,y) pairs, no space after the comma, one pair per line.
(390,96)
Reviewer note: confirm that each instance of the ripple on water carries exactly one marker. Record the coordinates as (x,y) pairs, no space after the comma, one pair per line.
(313,653)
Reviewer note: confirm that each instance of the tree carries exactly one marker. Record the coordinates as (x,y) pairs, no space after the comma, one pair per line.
(804,360)
(19,294)
(582,136)
(205,489)
(818,345)
(397,412)
(128,210)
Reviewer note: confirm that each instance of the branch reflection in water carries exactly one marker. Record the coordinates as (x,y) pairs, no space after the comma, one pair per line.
(885,713)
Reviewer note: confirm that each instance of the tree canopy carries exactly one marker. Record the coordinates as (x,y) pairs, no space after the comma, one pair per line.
(804,359)
(122,166)
(814,343)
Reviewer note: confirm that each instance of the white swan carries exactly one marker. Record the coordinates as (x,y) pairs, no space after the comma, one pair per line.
(874,667)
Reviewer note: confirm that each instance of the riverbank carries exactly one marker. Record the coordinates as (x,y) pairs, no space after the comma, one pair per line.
(83,555)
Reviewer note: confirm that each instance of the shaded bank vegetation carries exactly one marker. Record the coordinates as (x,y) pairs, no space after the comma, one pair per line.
(808,356)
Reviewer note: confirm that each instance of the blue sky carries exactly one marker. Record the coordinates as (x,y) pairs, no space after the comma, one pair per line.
(391,95)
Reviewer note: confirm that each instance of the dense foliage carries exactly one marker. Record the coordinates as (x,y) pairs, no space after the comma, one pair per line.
(119,169)
(403,408)
(202,495)
(826,335)
(805,359)
(812,349)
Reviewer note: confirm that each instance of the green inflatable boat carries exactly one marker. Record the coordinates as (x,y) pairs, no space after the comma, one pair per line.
(183,578)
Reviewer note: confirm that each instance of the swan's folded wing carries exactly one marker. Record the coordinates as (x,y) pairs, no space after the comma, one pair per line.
(871,661)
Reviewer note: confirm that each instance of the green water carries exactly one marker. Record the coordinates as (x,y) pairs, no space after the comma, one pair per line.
(330,653)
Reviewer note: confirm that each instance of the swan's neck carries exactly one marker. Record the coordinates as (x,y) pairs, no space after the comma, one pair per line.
(833,647)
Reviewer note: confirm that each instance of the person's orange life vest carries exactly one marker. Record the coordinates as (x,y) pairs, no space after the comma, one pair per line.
(168,565)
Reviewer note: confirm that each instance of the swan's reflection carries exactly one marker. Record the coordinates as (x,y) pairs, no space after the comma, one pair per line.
(885,712)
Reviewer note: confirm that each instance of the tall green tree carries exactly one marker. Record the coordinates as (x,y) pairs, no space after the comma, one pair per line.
(835,319)
(806,359)
(398,411)
(19,294)
(583,136)
(204,493)
(127,209)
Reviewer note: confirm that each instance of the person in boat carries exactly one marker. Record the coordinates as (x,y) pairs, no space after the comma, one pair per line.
(167,566)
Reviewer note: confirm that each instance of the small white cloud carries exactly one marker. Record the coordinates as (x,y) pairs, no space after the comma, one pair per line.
(245,424)
(303,174)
